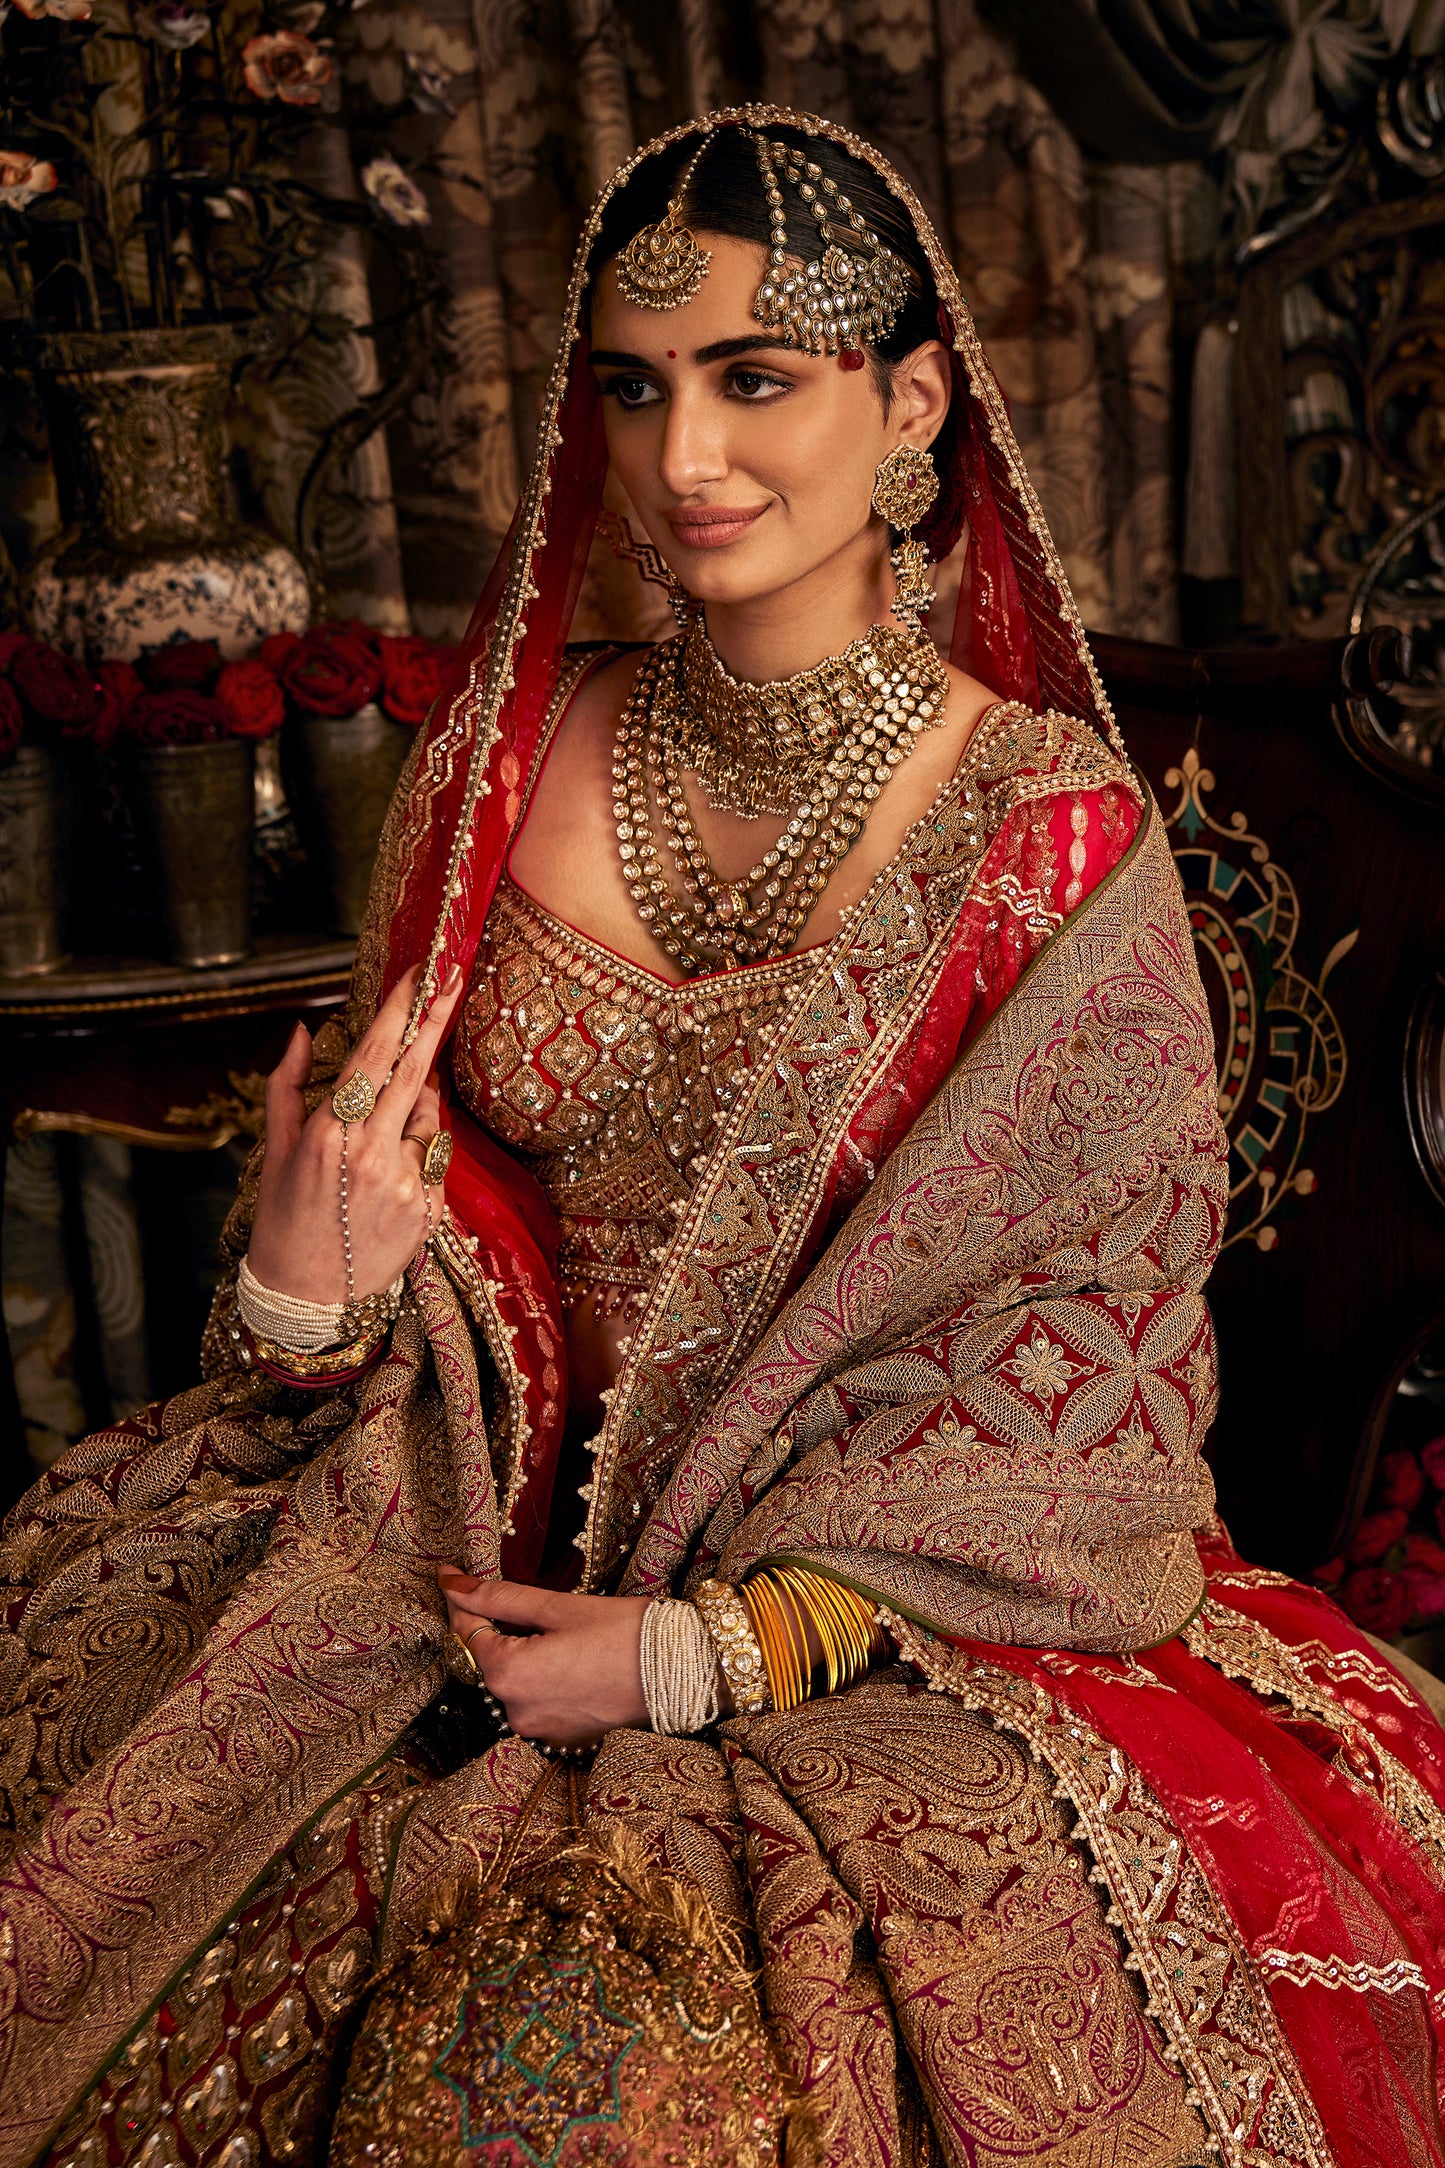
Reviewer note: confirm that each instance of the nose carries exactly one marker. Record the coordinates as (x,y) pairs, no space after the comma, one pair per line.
(694,448)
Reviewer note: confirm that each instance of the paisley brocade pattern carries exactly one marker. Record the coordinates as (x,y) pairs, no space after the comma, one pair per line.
(235,2067)
(985,1402)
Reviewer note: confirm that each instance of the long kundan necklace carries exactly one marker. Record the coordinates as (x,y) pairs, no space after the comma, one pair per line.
(819,747)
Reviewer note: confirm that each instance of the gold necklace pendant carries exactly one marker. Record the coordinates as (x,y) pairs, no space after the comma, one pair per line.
(845,726)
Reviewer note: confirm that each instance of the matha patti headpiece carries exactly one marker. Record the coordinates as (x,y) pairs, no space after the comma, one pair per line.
(843,298)
(662,267)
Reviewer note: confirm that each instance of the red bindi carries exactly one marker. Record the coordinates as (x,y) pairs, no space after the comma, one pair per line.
(850,358)
(672,353)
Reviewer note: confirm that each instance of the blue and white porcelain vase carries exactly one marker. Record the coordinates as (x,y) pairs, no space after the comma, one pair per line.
(153,550)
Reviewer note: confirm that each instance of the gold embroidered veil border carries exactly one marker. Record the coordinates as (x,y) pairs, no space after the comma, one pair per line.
(326,1651)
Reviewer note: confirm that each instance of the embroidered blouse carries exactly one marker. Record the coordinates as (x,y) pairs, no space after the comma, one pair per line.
(608,1081)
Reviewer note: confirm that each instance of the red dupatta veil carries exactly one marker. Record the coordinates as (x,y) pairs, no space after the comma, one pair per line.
(1238,1785)
(1016,628)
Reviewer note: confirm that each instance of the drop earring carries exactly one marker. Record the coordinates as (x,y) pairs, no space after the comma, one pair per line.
(904,490)
(653,566)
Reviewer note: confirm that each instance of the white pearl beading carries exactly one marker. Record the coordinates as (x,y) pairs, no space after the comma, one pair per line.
(680,1673)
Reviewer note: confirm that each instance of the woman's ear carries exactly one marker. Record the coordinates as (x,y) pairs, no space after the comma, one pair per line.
(923,393)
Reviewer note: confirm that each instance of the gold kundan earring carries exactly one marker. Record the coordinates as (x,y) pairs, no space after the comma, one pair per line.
(904,489)
(662,267)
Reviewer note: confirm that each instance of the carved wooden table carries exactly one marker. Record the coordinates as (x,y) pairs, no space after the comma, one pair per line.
(165,1059)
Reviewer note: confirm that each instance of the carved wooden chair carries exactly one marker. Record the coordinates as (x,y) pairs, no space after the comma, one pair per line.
(1313,859)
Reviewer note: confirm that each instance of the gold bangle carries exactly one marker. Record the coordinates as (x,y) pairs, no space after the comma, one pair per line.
(797,1618)
(726,1619)
(765,1626)
(843,1631)
(843,1621)
(787,1677)
(328,1362)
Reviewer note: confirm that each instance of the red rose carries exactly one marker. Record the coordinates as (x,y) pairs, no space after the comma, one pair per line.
(1423,1550)
(412,674)
(366,634)
(178,717)
(1432,1460)
(1375,1534)
(1330,1574)
(13,644)
(1427,1594)
(275,649)
(119,686)
(55,689)
(189,663)
(12,720)
(254,703)
(1403,1480)
(330,673)
(1377,1600)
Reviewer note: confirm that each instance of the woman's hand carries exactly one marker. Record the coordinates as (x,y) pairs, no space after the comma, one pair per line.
(572,1672)
(296,1243)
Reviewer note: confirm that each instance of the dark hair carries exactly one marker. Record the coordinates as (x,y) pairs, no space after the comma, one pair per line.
(725,195)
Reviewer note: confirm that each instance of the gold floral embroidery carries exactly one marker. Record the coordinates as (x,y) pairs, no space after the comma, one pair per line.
(1199,1977)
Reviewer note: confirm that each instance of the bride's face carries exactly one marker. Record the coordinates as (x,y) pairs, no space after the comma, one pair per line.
(750,465)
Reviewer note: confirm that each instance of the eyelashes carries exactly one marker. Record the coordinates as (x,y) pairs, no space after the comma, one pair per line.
(617,387)
(750,387)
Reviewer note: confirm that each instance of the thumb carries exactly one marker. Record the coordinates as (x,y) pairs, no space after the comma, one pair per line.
(514,1605)
(285,1106)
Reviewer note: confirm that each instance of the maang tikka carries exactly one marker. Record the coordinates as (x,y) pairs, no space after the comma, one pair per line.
(905,488)
(662,267)
(844,298)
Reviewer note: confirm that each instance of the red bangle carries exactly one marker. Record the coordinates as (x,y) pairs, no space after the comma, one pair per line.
(310,1373)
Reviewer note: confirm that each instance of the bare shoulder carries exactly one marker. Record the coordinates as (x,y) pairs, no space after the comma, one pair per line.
(600,698)
(969,700)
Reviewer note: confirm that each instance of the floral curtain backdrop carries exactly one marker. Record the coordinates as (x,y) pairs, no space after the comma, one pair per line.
(1070,263)
(512,112)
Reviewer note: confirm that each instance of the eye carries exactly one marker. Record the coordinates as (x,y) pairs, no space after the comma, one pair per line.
(757,387)
(631,391)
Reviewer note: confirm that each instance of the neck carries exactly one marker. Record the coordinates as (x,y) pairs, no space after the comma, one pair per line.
(825,610)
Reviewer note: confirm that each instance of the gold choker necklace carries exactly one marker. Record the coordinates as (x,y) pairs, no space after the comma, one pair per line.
(819,746)
(765,748)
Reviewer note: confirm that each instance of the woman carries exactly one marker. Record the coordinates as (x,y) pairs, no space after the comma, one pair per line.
(788,1405)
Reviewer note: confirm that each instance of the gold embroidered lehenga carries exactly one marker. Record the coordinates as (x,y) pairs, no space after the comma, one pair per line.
(1135,1853)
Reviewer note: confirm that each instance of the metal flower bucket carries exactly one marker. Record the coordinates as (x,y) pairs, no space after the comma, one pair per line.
(194,811)
(34,862)
(340,774)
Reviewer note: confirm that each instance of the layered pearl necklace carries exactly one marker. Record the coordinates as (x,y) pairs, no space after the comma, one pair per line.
(820,747)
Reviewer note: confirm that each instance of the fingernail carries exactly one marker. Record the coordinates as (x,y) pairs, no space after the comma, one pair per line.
(452,980)
(301,1029)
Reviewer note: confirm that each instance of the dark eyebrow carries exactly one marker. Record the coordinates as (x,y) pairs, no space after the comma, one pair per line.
(721,350)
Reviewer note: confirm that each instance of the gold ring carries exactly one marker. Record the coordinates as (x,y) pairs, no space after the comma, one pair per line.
(460,1661)
(437,1156)
(486,1627)
(355,1099)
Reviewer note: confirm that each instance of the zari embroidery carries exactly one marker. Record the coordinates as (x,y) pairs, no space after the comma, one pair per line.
(1307,1970)
(1198,1974)
(1243,1649)
(754,1198)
